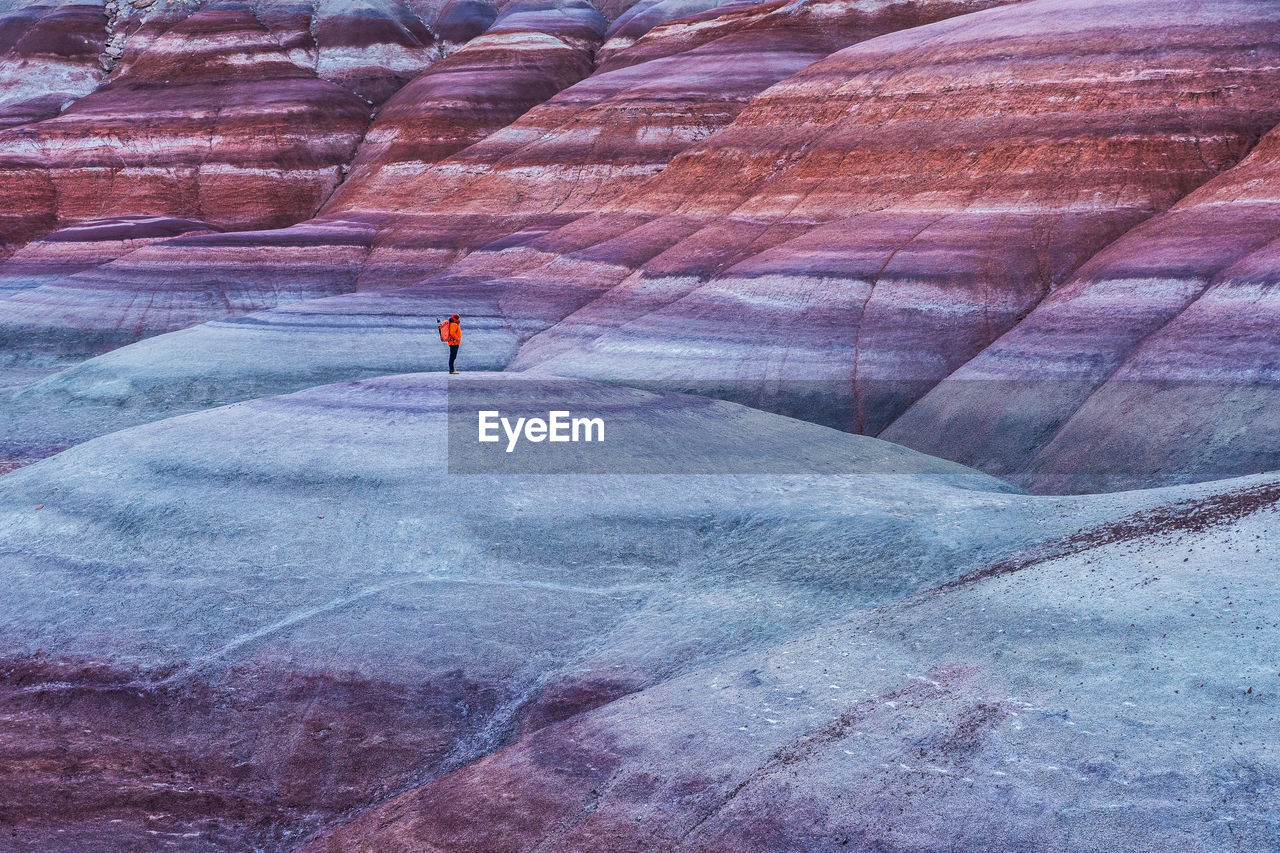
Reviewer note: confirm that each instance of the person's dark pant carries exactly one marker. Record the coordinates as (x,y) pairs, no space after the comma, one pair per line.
(453,354)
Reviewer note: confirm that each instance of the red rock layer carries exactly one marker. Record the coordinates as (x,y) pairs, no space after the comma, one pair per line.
(372,47)
(246,758)
(607,135)
(369,47)
(526,57)
(876,220)
(531,51)
(1156,363)
(644,111)
(643,17)
(48,56)
(573,154)
(68,313)
(80,247)
(211,121)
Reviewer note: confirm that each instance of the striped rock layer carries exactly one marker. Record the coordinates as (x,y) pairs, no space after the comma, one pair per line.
(48,56)
(212,121)
(1035,237)
(820,209)
(1157,362)
(533,51)
(416,195)
(871,227)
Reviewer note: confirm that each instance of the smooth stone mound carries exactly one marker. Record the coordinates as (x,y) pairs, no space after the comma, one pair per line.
(221,571)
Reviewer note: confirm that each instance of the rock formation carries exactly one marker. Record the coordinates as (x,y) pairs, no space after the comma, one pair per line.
(568,229)
(925,197)
(530,53)
(211,683)
(210,121)
(253,620)
(1108,694)
(48,57)
(426,216)
(265,589)
(1155,363)
(184,282)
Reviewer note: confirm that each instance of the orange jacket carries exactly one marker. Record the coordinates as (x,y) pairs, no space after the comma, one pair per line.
(452,330)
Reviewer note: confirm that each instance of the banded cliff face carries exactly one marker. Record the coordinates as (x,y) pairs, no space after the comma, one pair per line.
(369,47)
(281,623)
(372,47)
(1155,363)
(75,305)
(48,56)
(610,133)
(80,247)
(731,203)
(530,53)
(403,211)
(874,221)
(855,234)
(210,121)
(35,343)
(647,15)
(60,319)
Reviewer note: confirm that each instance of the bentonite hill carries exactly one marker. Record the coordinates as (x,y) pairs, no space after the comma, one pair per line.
(936,345)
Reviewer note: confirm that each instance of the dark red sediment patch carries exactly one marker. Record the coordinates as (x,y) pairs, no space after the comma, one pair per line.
(15,454)
(503,803)
(248,758)
(593,784)
(572,695)
(253,756)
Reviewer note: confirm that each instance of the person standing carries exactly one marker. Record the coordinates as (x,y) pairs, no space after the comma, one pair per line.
(451,334)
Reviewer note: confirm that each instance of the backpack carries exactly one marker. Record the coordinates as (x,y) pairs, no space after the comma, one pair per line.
(444,331)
